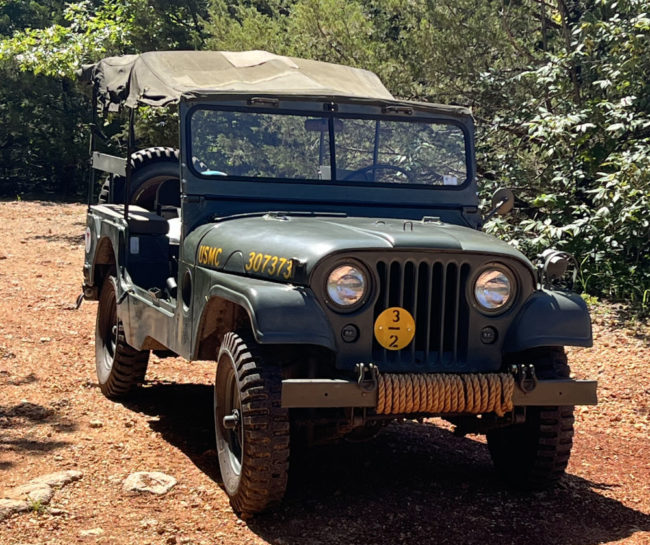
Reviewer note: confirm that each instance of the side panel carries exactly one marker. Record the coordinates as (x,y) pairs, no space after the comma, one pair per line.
(104,241)
(139,256)
(550,318)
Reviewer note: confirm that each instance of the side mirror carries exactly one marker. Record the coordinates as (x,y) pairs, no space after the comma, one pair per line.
(503,201)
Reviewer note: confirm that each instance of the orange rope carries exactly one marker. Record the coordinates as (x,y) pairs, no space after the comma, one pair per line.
(445,393)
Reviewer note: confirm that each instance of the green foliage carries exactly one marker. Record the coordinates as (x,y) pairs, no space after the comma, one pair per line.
(43,126)
(42,146)
(58,50)
(587,151)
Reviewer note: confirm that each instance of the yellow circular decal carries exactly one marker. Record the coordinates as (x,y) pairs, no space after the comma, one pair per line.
(394,328)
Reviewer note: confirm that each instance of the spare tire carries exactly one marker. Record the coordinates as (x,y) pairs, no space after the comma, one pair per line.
(152,167)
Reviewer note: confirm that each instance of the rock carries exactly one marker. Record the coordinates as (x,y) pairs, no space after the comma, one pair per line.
(154,482)
(96,424)
(58,479)
(91,532)
(32,492)
(10,506)
(57,512)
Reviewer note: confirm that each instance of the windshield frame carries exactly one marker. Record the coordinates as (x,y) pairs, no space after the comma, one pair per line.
(331,111)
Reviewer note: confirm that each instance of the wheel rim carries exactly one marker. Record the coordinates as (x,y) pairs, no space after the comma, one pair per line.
(228,404)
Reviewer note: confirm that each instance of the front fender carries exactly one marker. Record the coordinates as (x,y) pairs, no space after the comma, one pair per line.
(550,318)
(279,313)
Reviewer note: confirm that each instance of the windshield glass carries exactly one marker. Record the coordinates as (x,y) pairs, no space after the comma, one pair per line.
(245,145)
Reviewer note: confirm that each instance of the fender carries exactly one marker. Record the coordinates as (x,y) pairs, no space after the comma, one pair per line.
(550,318)
(278,313)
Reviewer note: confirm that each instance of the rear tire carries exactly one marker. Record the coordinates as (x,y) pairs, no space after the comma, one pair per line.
(119,366)
(534,455)
(254,449)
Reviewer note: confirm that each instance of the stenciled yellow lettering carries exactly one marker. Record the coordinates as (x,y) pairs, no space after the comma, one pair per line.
(249,265)
(283,261)
(289,271)
(258,262)
(274,265)
(213,256)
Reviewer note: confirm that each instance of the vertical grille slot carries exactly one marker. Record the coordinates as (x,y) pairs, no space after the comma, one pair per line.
(434,293)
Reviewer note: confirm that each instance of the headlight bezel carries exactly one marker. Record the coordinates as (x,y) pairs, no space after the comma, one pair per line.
(514,288)
(367,286)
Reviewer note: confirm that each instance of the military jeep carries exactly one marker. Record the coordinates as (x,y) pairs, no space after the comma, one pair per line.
(322,241)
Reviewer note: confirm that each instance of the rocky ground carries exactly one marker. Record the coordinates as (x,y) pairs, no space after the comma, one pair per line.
(414,483)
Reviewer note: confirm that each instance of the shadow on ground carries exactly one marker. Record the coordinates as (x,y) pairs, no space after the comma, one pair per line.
(414,483)
(73,240)
(24,429)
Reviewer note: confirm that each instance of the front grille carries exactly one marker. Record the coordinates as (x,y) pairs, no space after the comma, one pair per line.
(434,292)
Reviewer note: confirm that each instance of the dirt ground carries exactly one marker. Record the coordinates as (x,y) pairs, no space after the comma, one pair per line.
(414,483)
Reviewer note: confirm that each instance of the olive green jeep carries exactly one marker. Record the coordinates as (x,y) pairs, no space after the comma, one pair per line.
(322,241)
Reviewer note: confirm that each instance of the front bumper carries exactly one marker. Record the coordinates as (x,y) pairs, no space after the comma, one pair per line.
(333,393)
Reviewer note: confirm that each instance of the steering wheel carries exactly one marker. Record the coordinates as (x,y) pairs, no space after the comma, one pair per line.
(378,166)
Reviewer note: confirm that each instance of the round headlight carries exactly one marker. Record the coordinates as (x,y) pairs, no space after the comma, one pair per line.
(346,286)
(493,289)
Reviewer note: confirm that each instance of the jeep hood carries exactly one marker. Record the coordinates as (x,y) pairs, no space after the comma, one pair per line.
(233,244)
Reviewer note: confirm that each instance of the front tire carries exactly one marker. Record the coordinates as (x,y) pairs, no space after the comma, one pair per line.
(534,455)
(252,429)
(119,366)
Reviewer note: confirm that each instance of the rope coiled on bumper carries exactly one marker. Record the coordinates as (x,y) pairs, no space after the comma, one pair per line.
(440,394)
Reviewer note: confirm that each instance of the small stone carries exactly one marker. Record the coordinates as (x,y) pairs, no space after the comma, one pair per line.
(45,339)
(57,512)
(91,532)
(153,482)
(9,506)
(59,479)
(96,424)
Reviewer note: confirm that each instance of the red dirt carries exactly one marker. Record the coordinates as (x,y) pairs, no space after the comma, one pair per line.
(414,483)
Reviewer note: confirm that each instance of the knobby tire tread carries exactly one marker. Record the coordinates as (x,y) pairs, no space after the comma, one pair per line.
(534,455)
(265,457)
(129,365)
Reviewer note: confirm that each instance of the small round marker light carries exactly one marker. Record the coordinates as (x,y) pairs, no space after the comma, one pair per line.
(350,333)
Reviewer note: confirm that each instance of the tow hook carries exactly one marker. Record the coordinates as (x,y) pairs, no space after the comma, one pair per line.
(367,376)
(80,300)
(525,377)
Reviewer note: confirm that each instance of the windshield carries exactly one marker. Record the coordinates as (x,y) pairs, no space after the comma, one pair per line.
(279,146)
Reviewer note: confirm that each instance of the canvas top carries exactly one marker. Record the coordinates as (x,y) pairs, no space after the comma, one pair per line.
(158,78)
